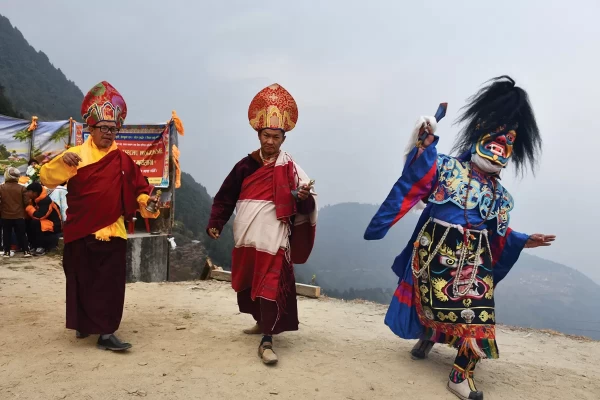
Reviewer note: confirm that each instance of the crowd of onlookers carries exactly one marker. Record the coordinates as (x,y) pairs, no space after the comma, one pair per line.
(31,215)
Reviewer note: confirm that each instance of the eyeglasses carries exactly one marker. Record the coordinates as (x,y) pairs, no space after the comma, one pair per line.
(106,129)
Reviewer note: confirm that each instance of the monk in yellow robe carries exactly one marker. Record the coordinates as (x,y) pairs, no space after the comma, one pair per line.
(106,188)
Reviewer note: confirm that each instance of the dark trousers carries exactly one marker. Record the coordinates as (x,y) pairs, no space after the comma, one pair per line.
(19,227)
(95,272)
(39,239)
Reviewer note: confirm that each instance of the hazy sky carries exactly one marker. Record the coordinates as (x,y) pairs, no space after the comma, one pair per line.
(361,73)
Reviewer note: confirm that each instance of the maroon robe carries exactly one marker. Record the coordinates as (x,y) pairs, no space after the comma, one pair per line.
(267,313)
(98,195)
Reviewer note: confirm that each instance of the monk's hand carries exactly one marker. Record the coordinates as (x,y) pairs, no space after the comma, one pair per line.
(303,193)
(213,233)
(71,159)
(539,240)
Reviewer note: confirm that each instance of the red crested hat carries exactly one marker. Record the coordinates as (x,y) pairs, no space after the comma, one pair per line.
(103,103)
(273,107)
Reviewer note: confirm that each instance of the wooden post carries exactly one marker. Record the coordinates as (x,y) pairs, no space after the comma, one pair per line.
(70,131)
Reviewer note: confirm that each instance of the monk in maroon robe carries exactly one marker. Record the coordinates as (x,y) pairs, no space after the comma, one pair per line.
(106,188)
(275,221)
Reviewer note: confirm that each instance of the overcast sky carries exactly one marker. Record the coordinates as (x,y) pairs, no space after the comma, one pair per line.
(361,73)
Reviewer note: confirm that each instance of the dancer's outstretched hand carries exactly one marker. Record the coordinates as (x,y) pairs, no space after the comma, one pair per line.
(539,240)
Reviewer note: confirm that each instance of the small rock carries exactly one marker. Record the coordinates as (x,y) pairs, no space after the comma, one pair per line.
(274,392)
(411,382)
(69,365)
(180,328)
(182,355)
(143,363)
(164,374)
(135,331)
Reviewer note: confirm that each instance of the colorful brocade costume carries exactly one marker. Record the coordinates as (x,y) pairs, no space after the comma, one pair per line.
(438,298)
(462,246)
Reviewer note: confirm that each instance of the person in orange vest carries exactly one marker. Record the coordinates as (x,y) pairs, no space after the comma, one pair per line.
(45,223)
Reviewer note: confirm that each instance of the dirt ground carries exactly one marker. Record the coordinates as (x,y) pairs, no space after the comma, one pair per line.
(188,344)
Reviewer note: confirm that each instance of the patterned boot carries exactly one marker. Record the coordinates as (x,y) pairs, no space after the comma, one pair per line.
(461,382)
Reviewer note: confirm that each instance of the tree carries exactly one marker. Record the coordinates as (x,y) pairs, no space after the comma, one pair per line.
(4,153)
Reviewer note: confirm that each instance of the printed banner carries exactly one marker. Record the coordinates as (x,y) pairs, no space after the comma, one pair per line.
(49,140)
(16,148)
(147,145)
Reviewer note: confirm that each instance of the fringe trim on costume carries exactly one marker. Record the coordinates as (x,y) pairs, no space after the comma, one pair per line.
(482,348)
(284,286)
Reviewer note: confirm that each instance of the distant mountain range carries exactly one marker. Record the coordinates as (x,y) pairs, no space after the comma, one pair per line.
(536,293)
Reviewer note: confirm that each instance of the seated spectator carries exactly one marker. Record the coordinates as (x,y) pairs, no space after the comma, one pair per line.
(45,224)
(59,196)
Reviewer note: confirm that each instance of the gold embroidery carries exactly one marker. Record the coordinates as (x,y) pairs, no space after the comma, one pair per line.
(441,316)
(484,316)
(446,251)
(438,284)
(493,317)
(422,256)
(467,302)
(452,317)
(489,280)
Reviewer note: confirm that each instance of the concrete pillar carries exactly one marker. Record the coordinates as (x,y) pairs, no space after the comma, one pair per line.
(147,258)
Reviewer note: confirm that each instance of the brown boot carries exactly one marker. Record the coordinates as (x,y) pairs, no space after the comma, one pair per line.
(266,353)
(255,330)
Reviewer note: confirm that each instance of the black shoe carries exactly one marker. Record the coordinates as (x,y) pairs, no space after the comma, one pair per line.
(80,335)
(112,343)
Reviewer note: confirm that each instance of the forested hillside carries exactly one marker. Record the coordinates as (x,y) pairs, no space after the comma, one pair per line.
(30,80)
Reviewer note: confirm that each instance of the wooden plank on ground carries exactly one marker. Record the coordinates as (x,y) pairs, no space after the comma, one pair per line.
(301,289)
(308,290)
(220,275)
